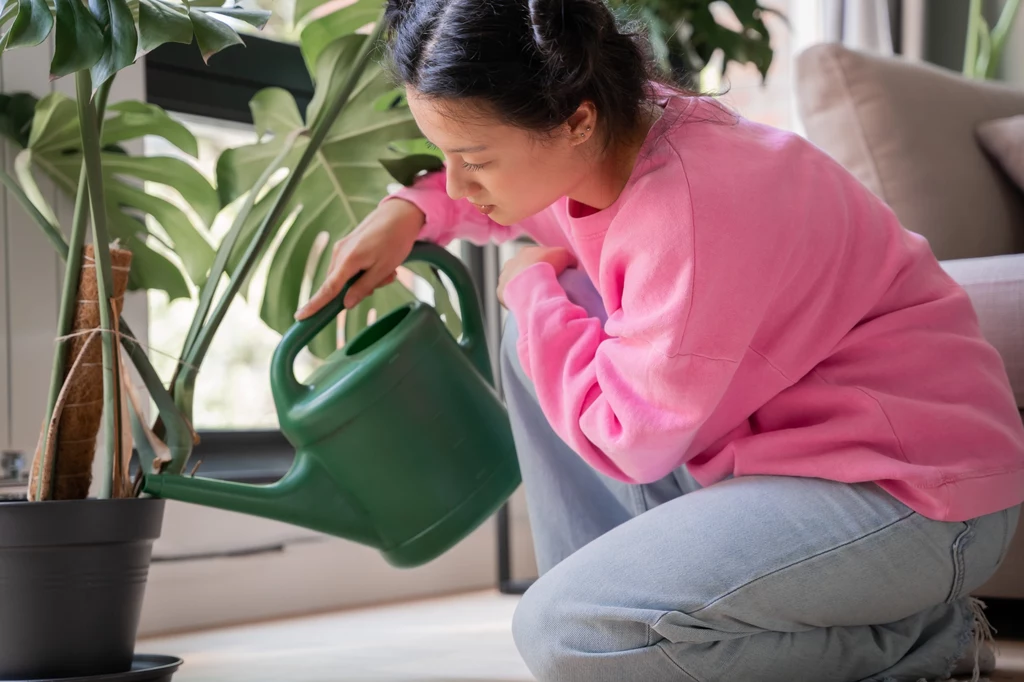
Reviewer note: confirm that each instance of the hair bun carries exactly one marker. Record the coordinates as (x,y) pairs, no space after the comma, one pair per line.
(569,34)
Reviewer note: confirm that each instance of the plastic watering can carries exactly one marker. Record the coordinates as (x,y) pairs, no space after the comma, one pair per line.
(401,441)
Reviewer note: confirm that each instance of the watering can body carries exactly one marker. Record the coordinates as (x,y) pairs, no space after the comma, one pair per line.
(401,441)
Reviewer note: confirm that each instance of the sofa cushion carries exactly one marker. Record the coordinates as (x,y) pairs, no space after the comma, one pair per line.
(996,288)
(1004,140)
(908,131)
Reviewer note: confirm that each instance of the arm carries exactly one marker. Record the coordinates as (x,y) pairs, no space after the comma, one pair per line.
(632,396)
(447,219)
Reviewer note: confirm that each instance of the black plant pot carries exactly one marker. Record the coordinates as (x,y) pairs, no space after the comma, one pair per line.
(72,579)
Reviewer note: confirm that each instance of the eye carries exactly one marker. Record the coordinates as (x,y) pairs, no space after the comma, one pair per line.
(431,145)
(473,166)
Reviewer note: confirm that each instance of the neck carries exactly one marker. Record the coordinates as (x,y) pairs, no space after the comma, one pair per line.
(609,173)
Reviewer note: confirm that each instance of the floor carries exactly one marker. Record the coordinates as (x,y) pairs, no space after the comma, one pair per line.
(459,639)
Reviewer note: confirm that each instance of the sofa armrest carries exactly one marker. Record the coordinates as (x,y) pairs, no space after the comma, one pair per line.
(995,286)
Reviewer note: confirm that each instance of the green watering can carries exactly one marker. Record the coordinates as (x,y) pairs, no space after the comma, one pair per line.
(401,441)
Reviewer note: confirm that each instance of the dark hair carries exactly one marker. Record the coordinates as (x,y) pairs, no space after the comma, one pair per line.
(533,62)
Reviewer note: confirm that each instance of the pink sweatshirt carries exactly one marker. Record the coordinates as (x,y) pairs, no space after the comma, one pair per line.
(766,315)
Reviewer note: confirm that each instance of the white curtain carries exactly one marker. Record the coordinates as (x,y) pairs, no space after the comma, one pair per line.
(879,26)
(860,24)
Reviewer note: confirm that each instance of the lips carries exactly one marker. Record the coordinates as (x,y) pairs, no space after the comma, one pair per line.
(486,209)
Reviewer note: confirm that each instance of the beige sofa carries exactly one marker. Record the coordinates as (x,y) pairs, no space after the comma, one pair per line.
(909,132)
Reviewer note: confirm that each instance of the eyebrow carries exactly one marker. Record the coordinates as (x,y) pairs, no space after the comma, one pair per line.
(467,150)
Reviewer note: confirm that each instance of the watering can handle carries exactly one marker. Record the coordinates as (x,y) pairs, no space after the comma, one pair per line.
(473,342)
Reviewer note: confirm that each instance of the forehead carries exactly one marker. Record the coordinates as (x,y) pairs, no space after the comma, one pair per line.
(458,123)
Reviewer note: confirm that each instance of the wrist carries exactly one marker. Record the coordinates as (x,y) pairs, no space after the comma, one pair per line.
(405,214)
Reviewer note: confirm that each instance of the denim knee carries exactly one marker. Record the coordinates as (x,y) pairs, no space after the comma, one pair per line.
(565,633)
(543,629)
(535,633)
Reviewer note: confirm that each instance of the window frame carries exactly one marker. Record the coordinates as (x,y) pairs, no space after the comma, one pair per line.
(178,80)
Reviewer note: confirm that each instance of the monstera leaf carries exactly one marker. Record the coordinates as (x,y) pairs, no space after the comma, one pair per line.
(684,34)
(53,147)
(344,183)
(16,113)
(323,22)
(105,36)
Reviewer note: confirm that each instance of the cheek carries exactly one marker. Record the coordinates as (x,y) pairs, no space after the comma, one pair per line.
(528,188)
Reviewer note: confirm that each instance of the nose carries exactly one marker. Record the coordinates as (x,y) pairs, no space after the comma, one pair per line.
(456,184)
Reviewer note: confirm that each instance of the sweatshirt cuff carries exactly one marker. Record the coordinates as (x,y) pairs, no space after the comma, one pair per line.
(424,195)
(531,286)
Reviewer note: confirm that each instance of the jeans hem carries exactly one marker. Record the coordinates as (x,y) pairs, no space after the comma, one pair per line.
(976,628)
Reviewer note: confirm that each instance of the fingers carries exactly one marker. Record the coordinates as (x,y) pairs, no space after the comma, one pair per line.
(344,266)
(377,276)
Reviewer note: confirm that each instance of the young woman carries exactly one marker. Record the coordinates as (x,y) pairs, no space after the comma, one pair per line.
(761,435)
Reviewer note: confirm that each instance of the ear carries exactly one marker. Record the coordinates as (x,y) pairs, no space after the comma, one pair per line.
(582,124)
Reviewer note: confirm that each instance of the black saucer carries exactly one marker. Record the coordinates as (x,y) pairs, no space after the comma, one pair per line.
(145,668)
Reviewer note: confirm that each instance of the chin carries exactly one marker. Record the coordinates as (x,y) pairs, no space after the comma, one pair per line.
(506,218)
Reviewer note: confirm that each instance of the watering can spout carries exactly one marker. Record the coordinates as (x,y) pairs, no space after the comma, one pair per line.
(305,497)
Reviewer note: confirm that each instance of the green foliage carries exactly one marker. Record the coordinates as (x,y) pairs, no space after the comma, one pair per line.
(52,146)
(74,143)
(106,36)
(983,52)
(684,34)
(366,148)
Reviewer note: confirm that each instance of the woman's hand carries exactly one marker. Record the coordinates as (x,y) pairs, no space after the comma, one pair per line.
(376,248)
(559,258)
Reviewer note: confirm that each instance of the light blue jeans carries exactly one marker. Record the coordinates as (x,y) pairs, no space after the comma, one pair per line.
(754,579)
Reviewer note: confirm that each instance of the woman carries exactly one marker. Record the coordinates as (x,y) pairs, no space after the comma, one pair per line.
(761,435)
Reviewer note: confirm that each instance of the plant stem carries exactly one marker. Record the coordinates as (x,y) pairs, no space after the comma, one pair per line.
(220,263)
(69,293)
(104,277)
(184,385)
(971,48)
(102,94)
(1000,33)
(50,231)
(68,305)
(179,432)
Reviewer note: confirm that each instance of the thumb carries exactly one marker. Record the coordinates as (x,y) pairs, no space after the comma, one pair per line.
(565,259)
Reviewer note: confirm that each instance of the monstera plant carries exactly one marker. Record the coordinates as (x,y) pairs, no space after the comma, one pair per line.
(311,175)
(374,142)
(74,599)
(685,34)
(46,130)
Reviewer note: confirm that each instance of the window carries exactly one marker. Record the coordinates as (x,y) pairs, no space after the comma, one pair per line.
(771,101)
(232,389)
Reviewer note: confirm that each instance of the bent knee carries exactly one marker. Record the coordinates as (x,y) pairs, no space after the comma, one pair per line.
(565,633)
(546,638)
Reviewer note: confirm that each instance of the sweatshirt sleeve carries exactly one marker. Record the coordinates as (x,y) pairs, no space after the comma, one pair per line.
(632,395)
(448,219)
